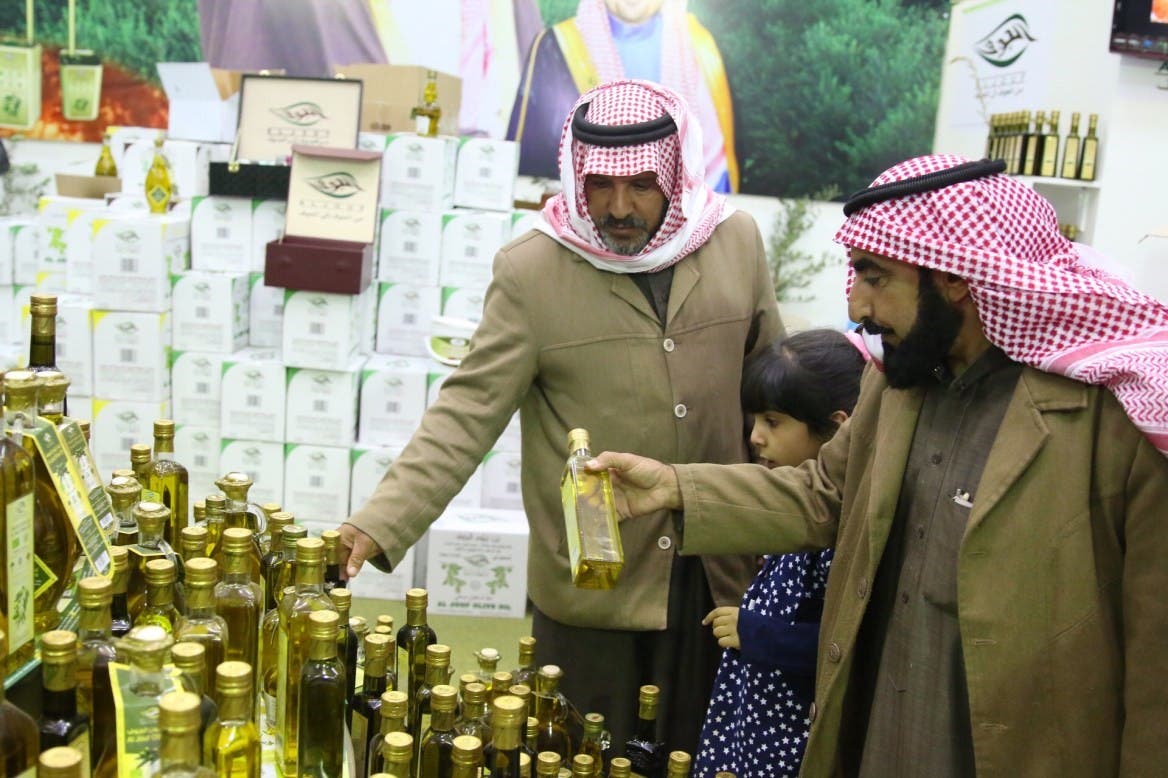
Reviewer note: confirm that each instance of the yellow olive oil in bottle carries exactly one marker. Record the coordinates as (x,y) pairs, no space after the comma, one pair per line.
(231,745)
(169,480)
(322,701)
(1090,150)
(61,723)
(466,757)
(553,735)
(412,640)
(105,159)
(159,187)
(437,674)
(1070,166)
(159,609)
(180,748)
(501,757)
(437,753)
(17,503)
(120,622)
(393,719)
(238,599)
(19,742)
(365,704)
(594,541)
(95,650)
(124,494)
(428,113)
(200,624)
(238,513)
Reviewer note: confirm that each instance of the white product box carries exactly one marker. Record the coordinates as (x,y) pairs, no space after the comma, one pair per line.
(477,563)
(210,311)
(471,495)
(199,110)
(502,487)
(322,330)
(265,326)
(119,424)
(20,243)
(438,373)
(372,584)
(410,247)
(470,240)
(404,313)
(58,219)
(197,449)
(190,165)
(253,394)
(132,359)
(367,467)
(10,327)
(316,482)
(221,234)
(74,337)
(133,258)
(463,302)
(79,251)
(196,380)
(80,407)
(523,220)
(321,405)
(263,461)
(267,225)
(511,439)
(393,399)
(418,172)
(485,176)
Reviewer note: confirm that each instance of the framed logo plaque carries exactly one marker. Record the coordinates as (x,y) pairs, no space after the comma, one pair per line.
(277,112)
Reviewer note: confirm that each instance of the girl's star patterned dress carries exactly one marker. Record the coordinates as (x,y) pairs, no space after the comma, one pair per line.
(756,725)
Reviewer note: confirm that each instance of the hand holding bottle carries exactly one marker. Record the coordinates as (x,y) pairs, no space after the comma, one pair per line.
(354,549)
(639,484)
(724,623)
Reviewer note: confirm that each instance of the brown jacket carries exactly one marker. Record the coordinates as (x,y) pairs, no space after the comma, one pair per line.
(1061,577)
(572,346)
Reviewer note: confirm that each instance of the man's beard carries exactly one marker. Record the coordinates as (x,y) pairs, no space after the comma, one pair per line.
(631,246)
(915,361)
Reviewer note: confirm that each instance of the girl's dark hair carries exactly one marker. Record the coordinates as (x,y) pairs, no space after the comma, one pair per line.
(808,376)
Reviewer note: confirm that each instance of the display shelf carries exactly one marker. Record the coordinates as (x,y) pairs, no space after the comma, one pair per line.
(1075,201)
(1057,183)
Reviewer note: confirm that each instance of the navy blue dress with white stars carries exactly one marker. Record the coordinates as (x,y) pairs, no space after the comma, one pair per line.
(757,723)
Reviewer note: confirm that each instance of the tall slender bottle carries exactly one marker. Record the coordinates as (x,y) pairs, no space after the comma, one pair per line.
(231,745)
(124,494)
(180,747)
(61,723)
(332,559)
(18,736)
(193,543)
(1090,150)
(412,640)
(151,518)
(273,558)
(437,750)
(322,701)
(42,344)
(1050,146)
(62,762)
(428,113)
(190,660)
(501,757)
(527,669)
(147,648)
(169,479)
(645,751)
(238,600)
(285,575)
(141,456)
(475,719)
(17,503)
(120,622)
(595,741)
(159,608)
(1070,163)
(60,555)
(159,187)
(553,735)
(238,512)
(347,648)
(216,508)
(399,754)
(437,673)
(393,719)
(365,704)
(466,757)
(294,640)
(679,765)
(95,650)
(594,541)
(200,624)
(270,666)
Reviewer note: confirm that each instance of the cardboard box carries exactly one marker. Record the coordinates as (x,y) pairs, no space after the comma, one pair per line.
(10,328)
(524,220)
(410,247)
(470,240)
(267,225)
(331,224)
(61,224)
(263,462)
(19,250)
(393,399)
(204,101)
(210,311)
(367,467)
(372,584)
(221,234)
(502,480)
(132,359)
(189,163)
(119,424)
(418,172)
(434,379)
(485,175)
(321,405)
(392,91)
(511,439)
(197,448)
(316,482)
(265,313)
(463,303)
(196,381)
(252,396)
(133,259)
(477,563)
(322,330)
(404,313)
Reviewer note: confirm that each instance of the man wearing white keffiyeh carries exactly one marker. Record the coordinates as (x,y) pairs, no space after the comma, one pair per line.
(998,501)
(629,313)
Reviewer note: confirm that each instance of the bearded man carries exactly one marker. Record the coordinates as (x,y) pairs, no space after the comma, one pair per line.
(998,501)
(628,312)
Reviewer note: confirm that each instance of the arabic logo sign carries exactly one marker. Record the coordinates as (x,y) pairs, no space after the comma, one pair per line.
(302,114)
(339,185)
(1008,41)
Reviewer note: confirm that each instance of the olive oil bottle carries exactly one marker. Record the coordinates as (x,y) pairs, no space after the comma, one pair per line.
(120,622)
(18,737)
(553,735)
(180,748)
(17,503)
(412,640)
(159,609)
(501,757)
(169,480)
(428,113)
(159,185)
(322,701)
(365,704)
(238,600)
(437,752)
(95,650)
(466,757)
(61,723)
(124,494)
(200,624)
(106,166)
(644,750)
(594,541)
(1090,150)
(231,744)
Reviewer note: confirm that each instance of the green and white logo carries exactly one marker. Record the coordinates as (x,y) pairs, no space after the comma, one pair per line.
(1007,42)
(302,114)
(339,185)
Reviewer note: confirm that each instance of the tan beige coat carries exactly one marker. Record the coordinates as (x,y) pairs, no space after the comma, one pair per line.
(572,346)
(1062,574)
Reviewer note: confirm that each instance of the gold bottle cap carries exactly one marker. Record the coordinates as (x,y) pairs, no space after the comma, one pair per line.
(194,540)
(235,485)
(376,647)
(508,710)
(59,762)
(119,559)
(398,745)
(394,704)
(526,645)
(139,453)
(233,676)
(215,504)
(417,598)
(331,539)
(147,644)
(547,763)
(189,656)
(520,690)
(464,679)
(42,304)
(381,629)
(359,625)
(437,655)
(532,727)
(58,647)
(164,428)
(619,767)
(179,712)
(151,516)
(649,694)
(237,540)
(322,625)
(199,509)
(474,692)
(95,591)
(582,765)
(160,572)
(578,439)
(386,619)
(123,491)
(270,508)
(54,387)
(123,472)
(343,599)
(593,723)
(443,698)
(279,520)
(501,681)
(201,571)
(22,386)
(310,551)
(466,750)
(679,759)
(291,535)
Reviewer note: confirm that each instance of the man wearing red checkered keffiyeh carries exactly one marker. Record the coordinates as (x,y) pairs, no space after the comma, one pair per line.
(998,500)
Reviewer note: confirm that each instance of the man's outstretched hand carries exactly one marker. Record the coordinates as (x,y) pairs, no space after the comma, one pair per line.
(355,548)
(639,484)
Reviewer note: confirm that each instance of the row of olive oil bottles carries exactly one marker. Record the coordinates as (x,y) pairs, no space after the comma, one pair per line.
(1035,148)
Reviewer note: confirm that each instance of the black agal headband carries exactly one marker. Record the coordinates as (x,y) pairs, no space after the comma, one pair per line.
(620,134)
(929,182)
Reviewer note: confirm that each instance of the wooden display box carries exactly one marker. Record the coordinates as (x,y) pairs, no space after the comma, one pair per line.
(330,224)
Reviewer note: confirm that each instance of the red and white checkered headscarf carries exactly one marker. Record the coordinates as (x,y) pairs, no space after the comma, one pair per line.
(1037,298)
(694,210)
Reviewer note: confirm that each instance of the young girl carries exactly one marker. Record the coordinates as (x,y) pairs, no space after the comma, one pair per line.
(797,392)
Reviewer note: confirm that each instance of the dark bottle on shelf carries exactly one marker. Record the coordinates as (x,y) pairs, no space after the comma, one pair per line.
(644,749)
(412,640)
(365,705)
(61,723)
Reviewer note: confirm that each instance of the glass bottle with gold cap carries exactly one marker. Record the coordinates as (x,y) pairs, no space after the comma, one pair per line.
(501,757)
(146,648)
(141,456)
(527,669)
(18,736)
(106,166)
(547,764)
(169,480)
(124,494)
(62,762)
(273,557)
(238,512)
(594,541)
(231,744)
(487,659)
(596,740)
(193,543)
(530,736)
(466,757)
(17,562)
(644,749)
(475,717)
(620,767)
(180,749)
(438,741)
(347,647)
(199,513)
(200,624)
(270,668)
(159,608)
(159,187)
(332,559)
(679,765)
(216,521)
(322,701)
(583,766)
(190,660)
(42,342)
(399,754)
(238,599)
(294,642)
(437,673)
(120,621)
(412,639)
(61,723)
(285,575)
(59,557)
(501,683)
(95,650)
(393,719)
(365,704)
(151,518)
(553,735)
(427,114)
(269,509)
